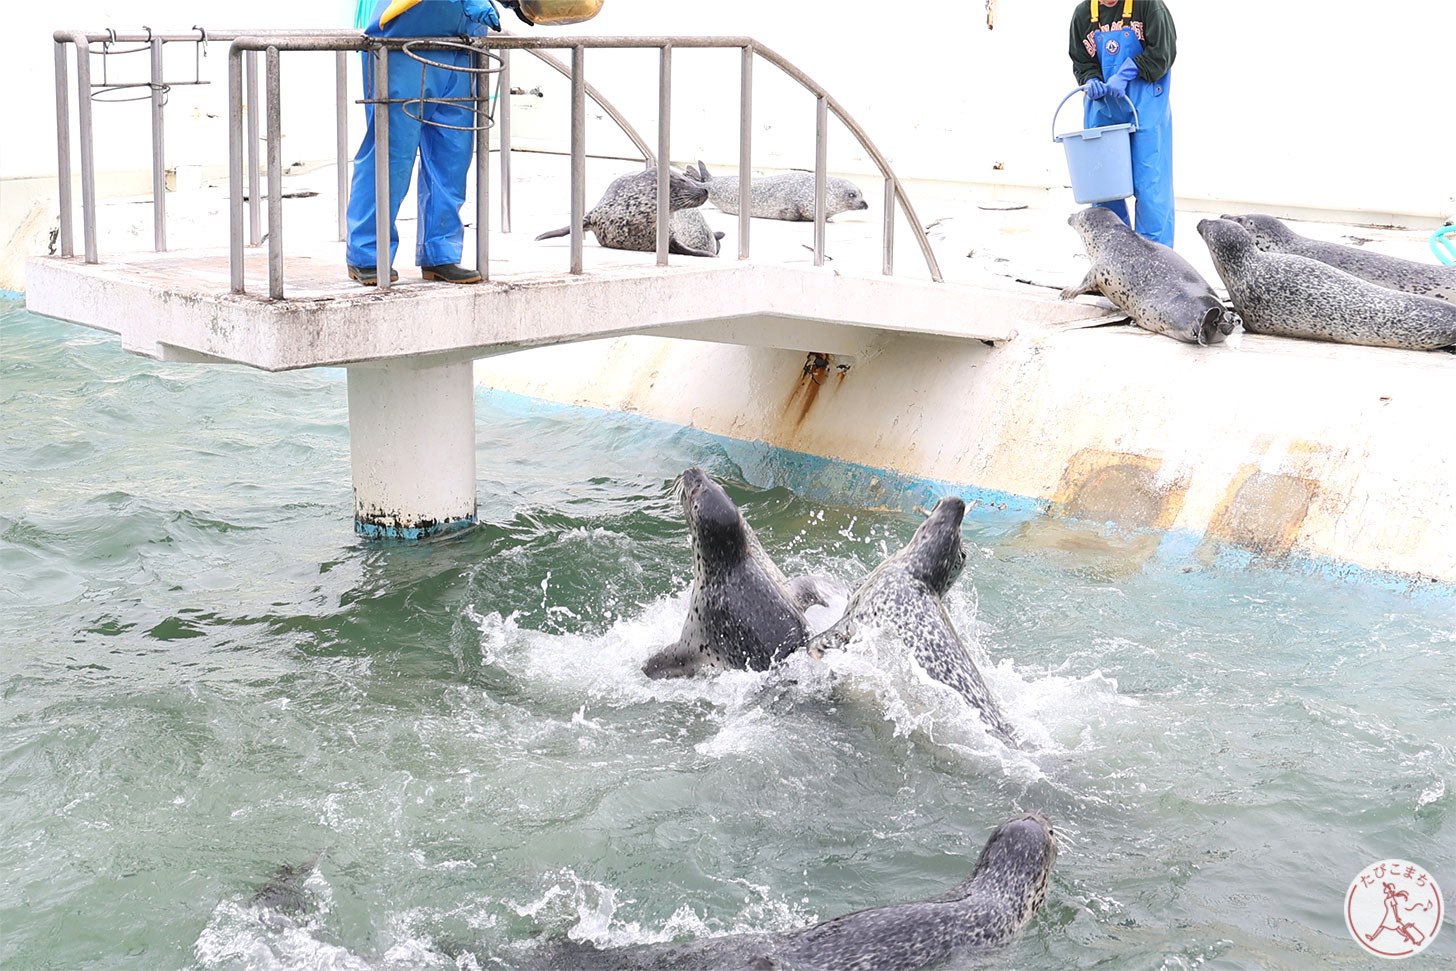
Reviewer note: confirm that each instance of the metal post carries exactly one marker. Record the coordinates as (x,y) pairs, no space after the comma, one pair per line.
(888,267)
(481,81)
(235,169)
(745,150)
(159,154)
(664,140)
(341,137)
(821,176)
(275,178)
(255,194)
(503,109)
(88,159)
(63,153)
(578,152)
(383,244)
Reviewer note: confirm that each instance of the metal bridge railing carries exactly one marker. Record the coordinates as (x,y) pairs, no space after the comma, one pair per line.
(245,46)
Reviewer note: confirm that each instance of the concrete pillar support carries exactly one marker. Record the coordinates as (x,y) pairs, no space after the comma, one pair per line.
(412,439)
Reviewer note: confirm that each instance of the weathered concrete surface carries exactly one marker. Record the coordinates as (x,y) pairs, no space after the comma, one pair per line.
(1278,447)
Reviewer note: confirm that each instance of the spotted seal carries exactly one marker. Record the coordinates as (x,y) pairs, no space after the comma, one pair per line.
(626,216)
(902,597)
(1148,281)
(1295,296)
(788,196)
(1006,887)
(1273,236)
(743,612)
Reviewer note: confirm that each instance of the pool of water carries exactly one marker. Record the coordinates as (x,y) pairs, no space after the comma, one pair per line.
(205,675)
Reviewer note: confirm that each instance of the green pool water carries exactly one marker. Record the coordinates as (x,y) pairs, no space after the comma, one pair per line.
(205,675)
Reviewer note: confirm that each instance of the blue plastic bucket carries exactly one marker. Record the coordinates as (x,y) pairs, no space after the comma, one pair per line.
(1098,159)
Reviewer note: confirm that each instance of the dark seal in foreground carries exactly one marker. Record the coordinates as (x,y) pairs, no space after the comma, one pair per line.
(902,598)
(788,196)
(742,612)
(1157,288)
(1272,236)
(1295,296)
(1005,889)
(626,216)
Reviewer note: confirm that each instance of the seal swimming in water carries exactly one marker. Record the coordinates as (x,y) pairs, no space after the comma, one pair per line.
(1004,891)
(743,613)
(902,597)
(626,216)
(788,196)
(1273,236)
(1148,281)
(1295,296)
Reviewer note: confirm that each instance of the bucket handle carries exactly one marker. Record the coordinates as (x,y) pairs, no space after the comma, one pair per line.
(1081,91)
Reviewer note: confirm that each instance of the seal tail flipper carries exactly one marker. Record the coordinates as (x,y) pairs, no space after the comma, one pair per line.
(703,175)
(674,246)
(719,236)
(553,234)
(677,661)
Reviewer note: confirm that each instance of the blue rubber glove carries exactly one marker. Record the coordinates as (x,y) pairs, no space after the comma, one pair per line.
(1117,84)
(483,12)
(1095,89)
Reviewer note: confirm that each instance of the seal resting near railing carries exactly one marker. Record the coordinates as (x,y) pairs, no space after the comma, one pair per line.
(1157,288)
(626,216)
(1295,296)
(1004,891)
(788,196)
(902,599)
(1407,276)
(743,612)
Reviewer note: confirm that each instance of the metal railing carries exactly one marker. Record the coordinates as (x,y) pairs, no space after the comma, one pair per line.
(245,46)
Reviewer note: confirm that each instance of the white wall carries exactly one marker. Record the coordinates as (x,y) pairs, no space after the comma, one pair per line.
(1336,113)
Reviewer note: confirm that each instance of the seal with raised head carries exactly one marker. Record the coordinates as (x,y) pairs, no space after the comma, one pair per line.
(1295,296)
(626,216)
(789,195)
(1152,284)
(742,611)
(1273,236)
(902,598)
(1006,887)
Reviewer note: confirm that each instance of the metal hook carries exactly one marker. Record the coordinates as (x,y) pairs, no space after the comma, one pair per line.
(149,33)
(111,31)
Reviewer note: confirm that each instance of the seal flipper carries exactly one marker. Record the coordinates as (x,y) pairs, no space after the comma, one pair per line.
(1088,285)
(677,661)
(814,590)
(835,638)
(553,234)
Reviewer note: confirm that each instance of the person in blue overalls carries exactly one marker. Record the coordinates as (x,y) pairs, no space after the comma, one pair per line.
(1124,50)
(444,153)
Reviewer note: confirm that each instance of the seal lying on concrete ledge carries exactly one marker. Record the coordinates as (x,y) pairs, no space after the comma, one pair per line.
(1272,236)
(1295,296)
(902,598)
(1149,282)
(788,196)
(1005,889)
(742,612)
(626,216)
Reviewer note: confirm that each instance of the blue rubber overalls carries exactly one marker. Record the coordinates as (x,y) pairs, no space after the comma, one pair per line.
(1152,143)
(444,153)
